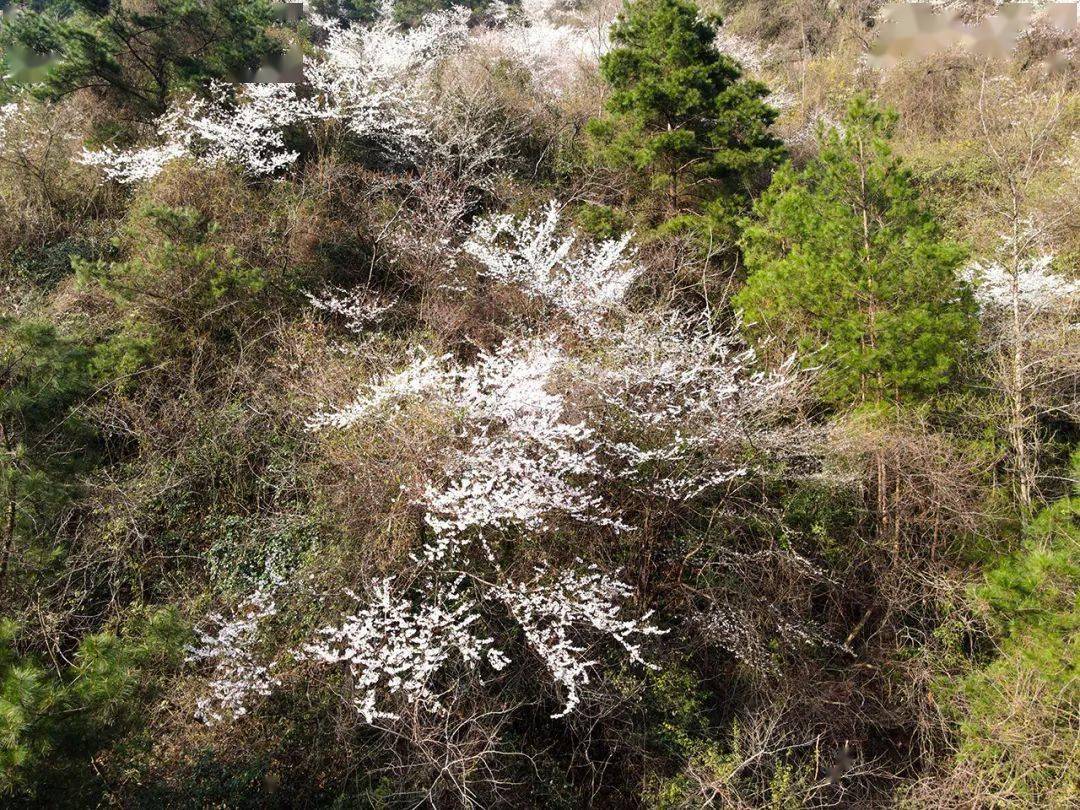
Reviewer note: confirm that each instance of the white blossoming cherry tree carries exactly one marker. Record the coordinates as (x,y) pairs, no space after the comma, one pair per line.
(243,127)
(373,79)
(548,438)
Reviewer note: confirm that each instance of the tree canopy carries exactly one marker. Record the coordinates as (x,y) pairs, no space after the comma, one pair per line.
(137,53)
(846,264)
(680,112)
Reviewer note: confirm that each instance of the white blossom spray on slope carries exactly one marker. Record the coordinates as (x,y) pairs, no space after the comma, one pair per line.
(398,646)
(238,675)
(244,128)
(666,400)
(553,41)
(1033,285)
(583,279)
(373,79)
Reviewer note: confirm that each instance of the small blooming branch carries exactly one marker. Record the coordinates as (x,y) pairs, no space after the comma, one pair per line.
(423,375)
(237,673)
(359,308)
(134,165)
(555,610)
(1033,286)
(400,645)
(582,279)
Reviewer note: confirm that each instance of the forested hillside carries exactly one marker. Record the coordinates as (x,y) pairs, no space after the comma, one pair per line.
(550,404)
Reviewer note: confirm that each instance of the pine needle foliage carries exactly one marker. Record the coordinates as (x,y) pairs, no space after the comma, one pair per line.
(847,265)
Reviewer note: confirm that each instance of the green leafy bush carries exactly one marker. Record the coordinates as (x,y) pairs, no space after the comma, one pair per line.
(43,445)
(179,287)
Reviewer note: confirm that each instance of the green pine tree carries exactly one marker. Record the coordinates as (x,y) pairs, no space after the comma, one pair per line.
(1015,713)
(42,444)
(52,722)
(847,266)
(680,115)
(137,53)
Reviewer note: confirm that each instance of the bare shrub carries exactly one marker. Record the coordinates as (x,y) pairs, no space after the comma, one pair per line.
(48,200)
(923,492)
(929,95)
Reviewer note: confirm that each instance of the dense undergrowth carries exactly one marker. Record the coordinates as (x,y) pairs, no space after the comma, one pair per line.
(544,405)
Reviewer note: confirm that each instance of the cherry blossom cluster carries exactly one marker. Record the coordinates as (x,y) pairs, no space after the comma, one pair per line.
(669,394)
(375,78)
(237,673)
(548,39)
(399,646)
(553,609)
(359,308)
(371,78)
(523,462)
(520,461)
(583,279)
(402,644)
(666,397)
(245,129)
(248,133)
(1033,286)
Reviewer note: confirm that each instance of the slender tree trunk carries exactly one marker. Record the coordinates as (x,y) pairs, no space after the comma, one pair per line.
(9,509)
(1016,387)
(882,494)
(871,314)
